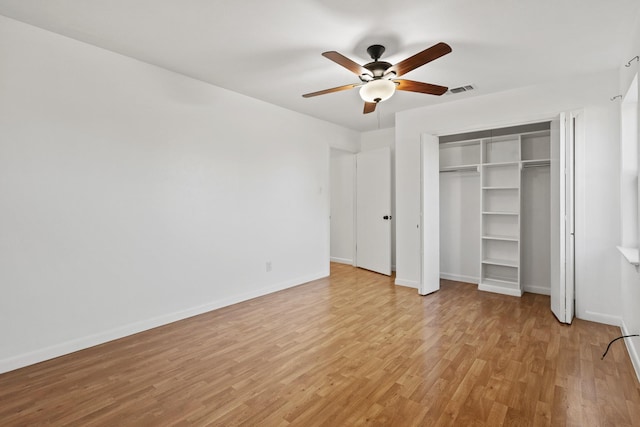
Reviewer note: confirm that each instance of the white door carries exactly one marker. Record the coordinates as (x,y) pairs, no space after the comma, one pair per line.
(563,136)
(373,210)
(573,136)
(430,215)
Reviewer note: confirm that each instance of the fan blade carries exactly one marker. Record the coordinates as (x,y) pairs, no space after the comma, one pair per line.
(334,89)
(419,59)
(340,59)
(411,86)
(369,107)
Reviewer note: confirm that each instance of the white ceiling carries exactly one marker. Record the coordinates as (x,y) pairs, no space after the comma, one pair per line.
(271,49)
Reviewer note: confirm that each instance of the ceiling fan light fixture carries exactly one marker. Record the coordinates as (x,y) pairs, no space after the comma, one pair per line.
(378,79)
(377,90)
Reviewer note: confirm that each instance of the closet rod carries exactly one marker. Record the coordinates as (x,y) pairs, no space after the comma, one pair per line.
(536,165)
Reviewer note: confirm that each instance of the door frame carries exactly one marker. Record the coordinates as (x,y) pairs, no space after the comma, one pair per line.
(428,249)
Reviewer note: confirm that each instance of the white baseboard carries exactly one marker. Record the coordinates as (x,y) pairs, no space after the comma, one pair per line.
(632,344)
(607,319)
(407,283)
(459,278)
(534,289)
(500,290)
(57,350)
(342,260)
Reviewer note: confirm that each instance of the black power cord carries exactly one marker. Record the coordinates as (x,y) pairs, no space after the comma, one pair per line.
(614,340)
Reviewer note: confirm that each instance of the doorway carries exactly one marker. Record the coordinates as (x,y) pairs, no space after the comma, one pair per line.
(496,168)
(362,208)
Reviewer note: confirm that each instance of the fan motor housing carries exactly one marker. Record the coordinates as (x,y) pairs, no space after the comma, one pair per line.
(377,68)
(375,51)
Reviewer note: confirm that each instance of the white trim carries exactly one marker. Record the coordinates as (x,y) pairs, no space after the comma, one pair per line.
(354,186)
(530,119)
(342,260)
(536,289)
(631,349)
(630,254)
(61,349)
(407,283)
(500,290)
(607,319)
(460,278)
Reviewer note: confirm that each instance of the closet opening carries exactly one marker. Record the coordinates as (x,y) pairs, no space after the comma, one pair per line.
(495,214)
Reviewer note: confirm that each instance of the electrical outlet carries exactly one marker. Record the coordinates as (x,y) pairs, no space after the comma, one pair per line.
(268,266)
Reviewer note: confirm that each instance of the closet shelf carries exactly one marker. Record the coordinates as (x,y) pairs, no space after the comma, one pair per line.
(464,143)
(492,281)
(540,162)
(501,164)
(502,262)
(503,286)
(500,213)
(460,168)
(503,238)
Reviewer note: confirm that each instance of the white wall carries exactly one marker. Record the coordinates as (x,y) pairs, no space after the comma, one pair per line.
(630,276)
(378,139)
(535,225)
(597,183)
(131,196)
(342,206)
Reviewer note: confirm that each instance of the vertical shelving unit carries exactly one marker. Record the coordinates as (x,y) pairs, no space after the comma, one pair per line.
(500,205)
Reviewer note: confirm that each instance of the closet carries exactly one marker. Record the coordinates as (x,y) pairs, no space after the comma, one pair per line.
(495,208)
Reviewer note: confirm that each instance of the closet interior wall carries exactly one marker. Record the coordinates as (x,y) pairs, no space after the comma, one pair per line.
(495,208)
(535,217)
(460,225)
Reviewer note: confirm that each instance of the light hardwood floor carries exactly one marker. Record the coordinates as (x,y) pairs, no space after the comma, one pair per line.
(352,349)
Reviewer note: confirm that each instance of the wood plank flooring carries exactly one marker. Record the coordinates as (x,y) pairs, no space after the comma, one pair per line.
(349,350)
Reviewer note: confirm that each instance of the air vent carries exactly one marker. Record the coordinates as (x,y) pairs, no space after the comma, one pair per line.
(465,88)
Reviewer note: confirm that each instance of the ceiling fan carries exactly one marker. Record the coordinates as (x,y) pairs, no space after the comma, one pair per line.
(379,78)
